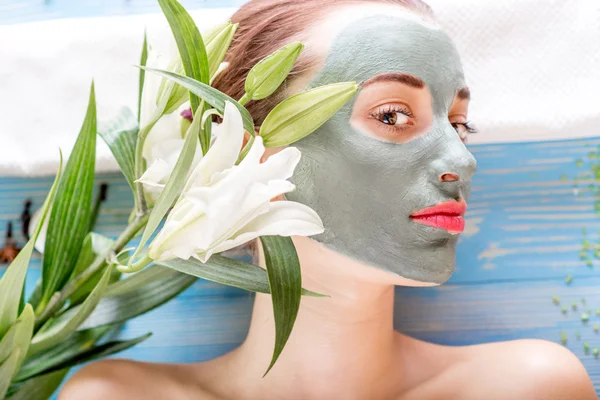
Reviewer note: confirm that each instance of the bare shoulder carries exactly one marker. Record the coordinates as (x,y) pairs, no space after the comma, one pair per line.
(527,369)
(100,380)
(124,379)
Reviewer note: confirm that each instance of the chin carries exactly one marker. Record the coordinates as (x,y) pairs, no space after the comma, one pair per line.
(427,262)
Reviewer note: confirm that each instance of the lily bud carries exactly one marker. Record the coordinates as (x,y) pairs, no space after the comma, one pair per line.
(300,115)
(217,46)
(266,76)
(211,33)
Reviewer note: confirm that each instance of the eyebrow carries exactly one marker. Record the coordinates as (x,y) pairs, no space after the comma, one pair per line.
(407,79)
(464,94)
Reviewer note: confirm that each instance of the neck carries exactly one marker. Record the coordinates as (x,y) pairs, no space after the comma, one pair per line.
(347,339)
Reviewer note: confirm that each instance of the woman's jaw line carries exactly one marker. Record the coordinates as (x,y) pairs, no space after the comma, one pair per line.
(321,260)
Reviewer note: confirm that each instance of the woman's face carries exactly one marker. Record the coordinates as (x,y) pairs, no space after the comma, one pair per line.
(373,171)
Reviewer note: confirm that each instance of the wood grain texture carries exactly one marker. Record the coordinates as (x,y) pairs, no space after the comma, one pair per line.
(528,211)
(531,209)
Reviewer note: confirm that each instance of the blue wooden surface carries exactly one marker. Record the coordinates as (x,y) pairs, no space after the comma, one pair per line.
(531,209)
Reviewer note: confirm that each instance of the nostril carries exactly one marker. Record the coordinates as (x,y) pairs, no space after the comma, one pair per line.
(449,177)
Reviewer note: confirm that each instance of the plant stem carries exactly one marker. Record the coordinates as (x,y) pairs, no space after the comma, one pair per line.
(245,99)
(136,266)
(59,298)
(140,164)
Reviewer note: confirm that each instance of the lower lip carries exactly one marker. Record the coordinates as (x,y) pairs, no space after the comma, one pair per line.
(454,224)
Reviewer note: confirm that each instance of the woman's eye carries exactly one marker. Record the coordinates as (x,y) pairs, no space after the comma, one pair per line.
(463,129)
(393,117)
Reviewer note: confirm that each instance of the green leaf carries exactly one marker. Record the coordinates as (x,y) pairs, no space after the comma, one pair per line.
(19,335)
(24,332)
(170,95)
(58,332)
(224,270)
(300,115)
(72,209)
(137,295)
(13,280)
(15,345)
(11,287)
(76,343)
(217,46)
(209,94)
(270,72)
(104,350)
(206,132)
(77,349)
(189,42)
(36,295)
(120,134)
(7,370)
(143,60)
(245,150)
(94,245)
(175,184)
(228,271)
(6,344)
(285,281)
(39,388)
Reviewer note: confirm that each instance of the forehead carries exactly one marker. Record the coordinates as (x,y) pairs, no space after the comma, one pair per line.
(380,44)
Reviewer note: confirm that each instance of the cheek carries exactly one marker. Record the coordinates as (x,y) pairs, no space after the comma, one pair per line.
(361,125)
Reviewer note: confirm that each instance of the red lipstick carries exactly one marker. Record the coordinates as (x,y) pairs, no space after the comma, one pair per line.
(448,216)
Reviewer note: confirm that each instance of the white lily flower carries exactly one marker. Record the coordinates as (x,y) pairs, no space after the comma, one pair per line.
(165,140)
(223,205)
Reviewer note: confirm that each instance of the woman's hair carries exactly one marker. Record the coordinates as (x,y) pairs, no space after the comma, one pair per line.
(265,26)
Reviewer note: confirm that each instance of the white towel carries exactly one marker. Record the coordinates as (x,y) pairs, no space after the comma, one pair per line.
(533,67)
(46,69)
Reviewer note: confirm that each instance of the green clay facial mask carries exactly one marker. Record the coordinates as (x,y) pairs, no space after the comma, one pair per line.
(366,189)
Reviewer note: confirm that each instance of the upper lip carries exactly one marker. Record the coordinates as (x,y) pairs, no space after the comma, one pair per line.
(451,207)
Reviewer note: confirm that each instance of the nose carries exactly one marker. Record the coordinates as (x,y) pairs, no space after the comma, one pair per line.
(453,168)
(449,177)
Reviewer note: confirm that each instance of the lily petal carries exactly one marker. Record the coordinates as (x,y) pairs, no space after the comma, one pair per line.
(280,165)
(151,86)
(254,154)
(224,152)
(167,128)
(155,174)
(284,218)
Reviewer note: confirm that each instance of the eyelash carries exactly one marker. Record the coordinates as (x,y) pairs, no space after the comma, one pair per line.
(391,110)
(468,126)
